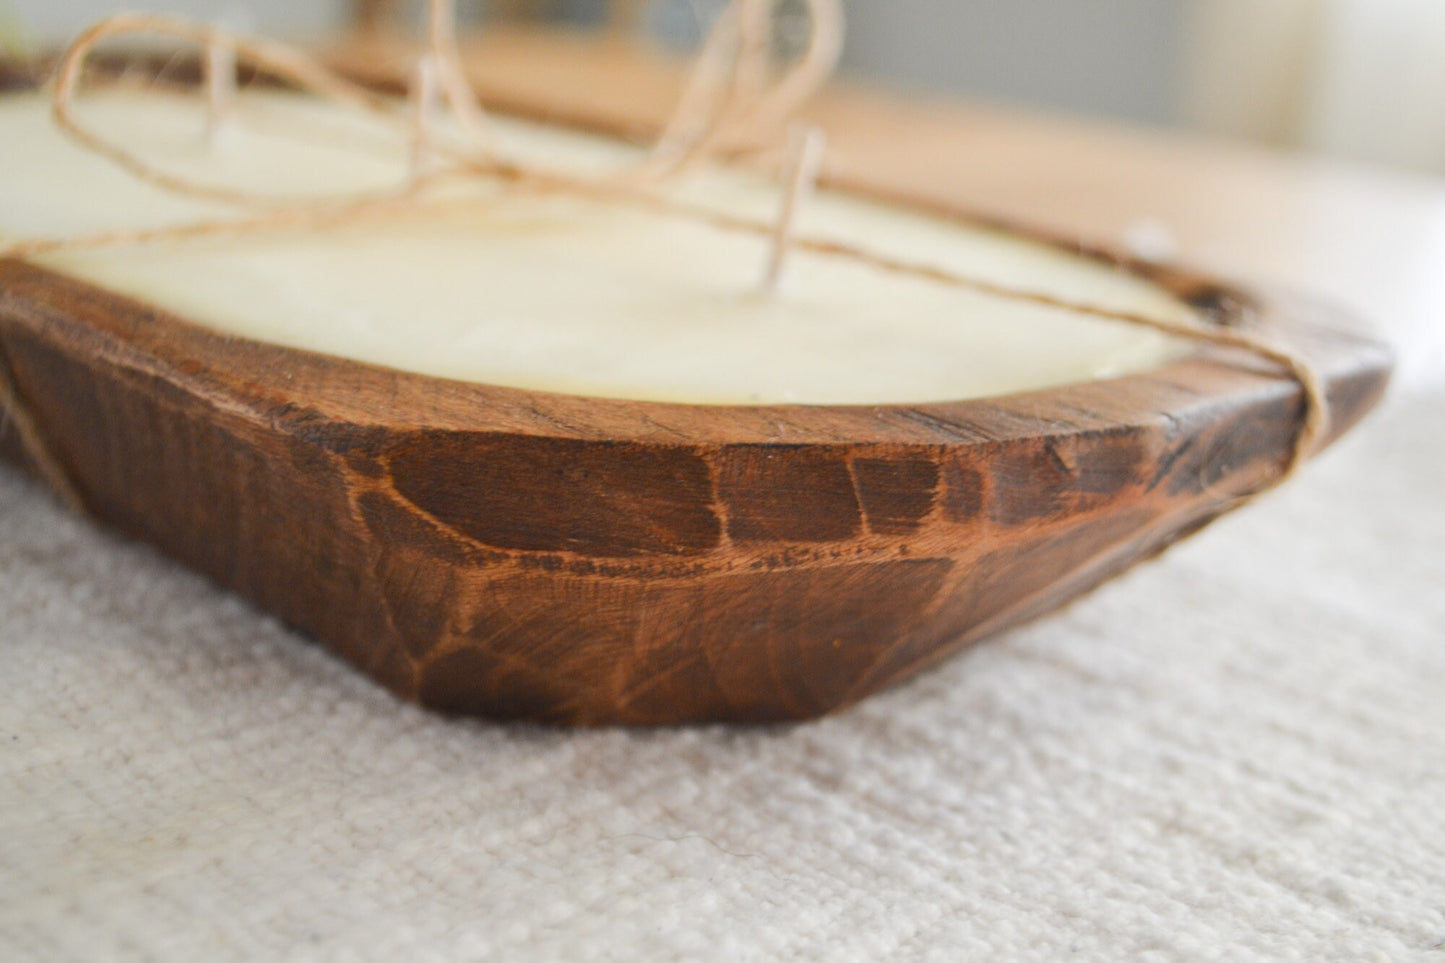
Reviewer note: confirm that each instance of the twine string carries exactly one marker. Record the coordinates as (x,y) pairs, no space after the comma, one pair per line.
(15,415)
(734,98)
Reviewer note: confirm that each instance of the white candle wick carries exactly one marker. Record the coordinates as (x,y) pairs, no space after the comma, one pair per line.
(220,89)
(425,96)
(806,147)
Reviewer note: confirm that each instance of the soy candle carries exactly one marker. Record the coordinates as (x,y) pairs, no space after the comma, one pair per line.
(560,292)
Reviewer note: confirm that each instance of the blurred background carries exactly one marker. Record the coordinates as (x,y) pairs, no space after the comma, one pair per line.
(1361,80)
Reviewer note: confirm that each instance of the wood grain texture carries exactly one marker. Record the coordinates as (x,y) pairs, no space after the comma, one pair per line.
(523,555)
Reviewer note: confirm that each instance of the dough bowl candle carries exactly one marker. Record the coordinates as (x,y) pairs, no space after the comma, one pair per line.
(522,427)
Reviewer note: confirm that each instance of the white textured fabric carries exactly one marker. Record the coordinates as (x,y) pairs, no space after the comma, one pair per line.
(1236,752)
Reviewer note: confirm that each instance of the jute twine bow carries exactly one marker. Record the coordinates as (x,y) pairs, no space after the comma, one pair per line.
(734,98)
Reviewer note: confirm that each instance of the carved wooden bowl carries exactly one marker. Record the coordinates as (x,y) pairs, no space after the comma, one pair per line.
(525,555)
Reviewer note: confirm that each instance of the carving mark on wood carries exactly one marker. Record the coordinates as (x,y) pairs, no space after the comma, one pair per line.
(617,499)
(786,493)
(897,493)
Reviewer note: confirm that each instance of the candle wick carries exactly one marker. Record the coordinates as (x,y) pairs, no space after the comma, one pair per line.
(806,147)
(221,90)
(425,94)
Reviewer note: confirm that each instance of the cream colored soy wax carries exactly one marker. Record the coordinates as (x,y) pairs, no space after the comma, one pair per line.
(558,293)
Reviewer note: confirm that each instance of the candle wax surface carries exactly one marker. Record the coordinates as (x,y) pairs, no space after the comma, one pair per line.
(557,293)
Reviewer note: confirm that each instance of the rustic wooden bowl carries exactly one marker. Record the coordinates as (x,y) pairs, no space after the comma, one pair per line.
(523,555)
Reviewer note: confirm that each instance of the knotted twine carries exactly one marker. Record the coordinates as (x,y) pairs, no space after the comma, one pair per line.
(731,101)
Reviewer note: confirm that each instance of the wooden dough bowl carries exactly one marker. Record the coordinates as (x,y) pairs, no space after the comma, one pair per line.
(522,555)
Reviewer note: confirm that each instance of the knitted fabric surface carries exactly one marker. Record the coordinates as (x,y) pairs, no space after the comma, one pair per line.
(1237,751)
